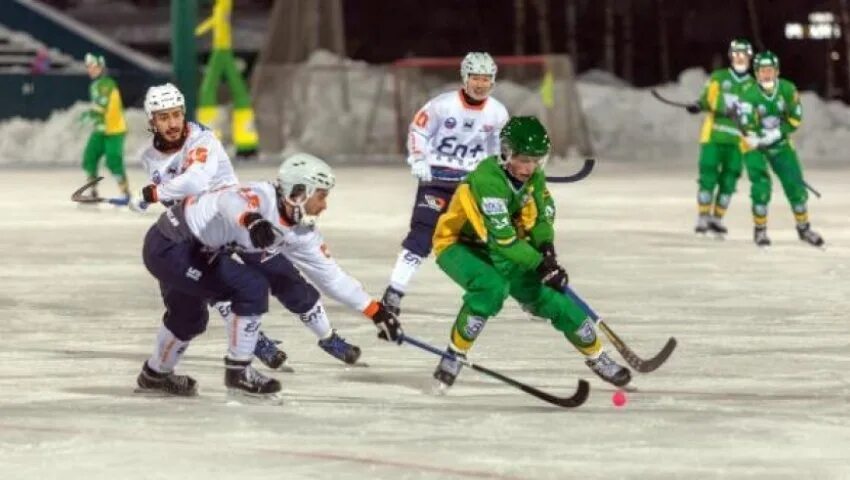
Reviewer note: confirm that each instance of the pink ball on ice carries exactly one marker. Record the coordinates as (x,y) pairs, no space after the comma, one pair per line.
(619,398)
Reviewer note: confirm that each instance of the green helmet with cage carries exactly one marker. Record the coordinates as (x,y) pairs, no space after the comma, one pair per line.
(740,53)
(763,60)
(525,136)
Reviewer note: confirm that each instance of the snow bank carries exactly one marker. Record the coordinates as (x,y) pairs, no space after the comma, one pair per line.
(626,124)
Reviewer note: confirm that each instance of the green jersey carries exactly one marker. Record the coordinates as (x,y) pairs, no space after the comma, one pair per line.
(780,109)
(107,110)
(488,210)
(720,99)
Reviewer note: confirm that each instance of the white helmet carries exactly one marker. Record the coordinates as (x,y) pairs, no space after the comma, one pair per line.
(163,97)
(303,173)
(480,63)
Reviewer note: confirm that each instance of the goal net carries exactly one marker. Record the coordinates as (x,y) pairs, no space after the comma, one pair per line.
(350,110)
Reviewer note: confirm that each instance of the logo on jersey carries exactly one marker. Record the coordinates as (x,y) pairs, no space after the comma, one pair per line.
(494,206)
(156,178)
(726,85)
(468,123)
(432,202)
(487,128)
(193,274)
(500,223)
(198,155)
(450,123)
(762,109)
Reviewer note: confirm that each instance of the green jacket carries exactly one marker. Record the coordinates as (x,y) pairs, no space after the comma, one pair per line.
(488,211)
(720,99)
(781,109)
(107,110)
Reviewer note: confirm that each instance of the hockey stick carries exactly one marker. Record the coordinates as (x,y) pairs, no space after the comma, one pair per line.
(578,398)
(79,197)
(585,170)
(639,364)
(673,103)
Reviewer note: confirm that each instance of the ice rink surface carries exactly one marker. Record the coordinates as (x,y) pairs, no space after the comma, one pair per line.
(758,387)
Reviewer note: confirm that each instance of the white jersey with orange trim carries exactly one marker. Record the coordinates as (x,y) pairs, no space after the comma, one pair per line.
(215,219)
(200,165)
(454,136)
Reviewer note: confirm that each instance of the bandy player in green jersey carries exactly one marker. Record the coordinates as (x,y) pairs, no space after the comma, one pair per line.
(720,163)
(770,111)
(107,138)
(496,239)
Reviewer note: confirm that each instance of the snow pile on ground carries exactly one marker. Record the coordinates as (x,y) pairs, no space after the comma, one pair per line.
(62,137)
(337,115)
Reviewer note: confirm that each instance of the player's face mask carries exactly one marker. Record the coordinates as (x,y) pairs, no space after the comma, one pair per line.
(300,209)
(523,166)
(767,77)
(740,62)
(478,86)
(169,129)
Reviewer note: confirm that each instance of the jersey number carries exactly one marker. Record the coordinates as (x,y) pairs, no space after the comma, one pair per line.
(250,197)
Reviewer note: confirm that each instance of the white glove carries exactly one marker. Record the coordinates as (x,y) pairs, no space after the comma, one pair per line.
(419,168)
(770,137)
(137,205)
(752,140)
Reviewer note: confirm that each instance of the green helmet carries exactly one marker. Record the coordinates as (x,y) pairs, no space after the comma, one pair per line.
(524,136)
(741,45)
(765,59)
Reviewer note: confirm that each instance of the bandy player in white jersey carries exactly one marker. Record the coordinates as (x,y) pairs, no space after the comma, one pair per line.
(181,251)
(187,159)
(448,137)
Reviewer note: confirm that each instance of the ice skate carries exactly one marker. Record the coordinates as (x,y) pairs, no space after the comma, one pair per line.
(715,226)
(701,227)
(760,237)
(809,236)
(241,379)
(151,381)
(609,370)
(392,300)
(337,347)
(447,371)
(270,355)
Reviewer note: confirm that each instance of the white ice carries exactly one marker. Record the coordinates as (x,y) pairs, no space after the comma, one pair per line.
(758,387)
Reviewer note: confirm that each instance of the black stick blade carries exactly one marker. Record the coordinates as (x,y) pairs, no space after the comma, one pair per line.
(577,399)
(585,170)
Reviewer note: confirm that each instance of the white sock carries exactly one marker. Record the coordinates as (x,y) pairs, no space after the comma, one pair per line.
(317,321)
(167,352)
(406,266)
(242,333)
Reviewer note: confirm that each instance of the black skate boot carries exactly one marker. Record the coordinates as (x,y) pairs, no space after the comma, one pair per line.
(339,348)
(241,378)
(151,381)
(269,354)
(715,225)
(702,224)
(392,300)
(809,236)
(609,370)
(760,236)
(447,370)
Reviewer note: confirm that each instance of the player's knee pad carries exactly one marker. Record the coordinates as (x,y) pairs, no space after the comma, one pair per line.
(251,295)
(419,239)
(186,322)
(297,296)
(486,295)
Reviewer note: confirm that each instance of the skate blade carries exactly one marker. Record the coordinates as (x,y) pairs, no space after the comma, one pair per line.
(155,393)
(439,389)
(241,397)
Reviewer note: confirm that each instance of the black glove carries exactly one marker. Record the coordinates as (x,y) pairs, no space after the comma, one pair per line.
(547,249)
(693,108)
(388,325)
(260,230)
(149,193)
(552,274)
